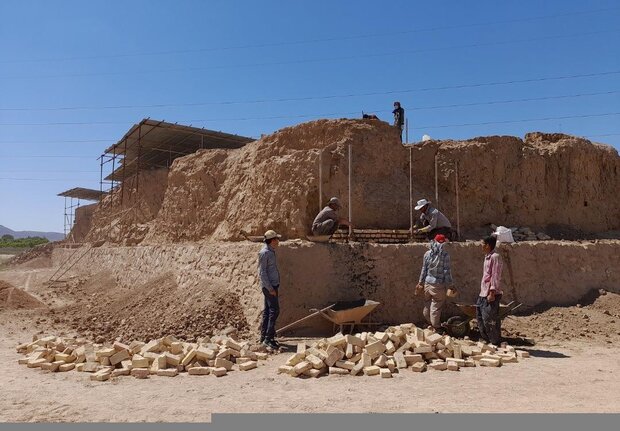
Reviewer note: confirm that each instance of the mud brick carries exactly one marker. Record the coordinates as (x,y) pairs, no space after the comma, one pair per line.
(355,341)
(456,351)
(119,356)
(64,357)
(357,369)
(412,359)
(337,340)
(172,372)
(440,346)
(223,363)
(79,367)
(262,356)
(366,360)
(140,373)
(318,353)
(135,347)
(36,363)
(172,360)
(355,358)
(151,346)
(316,373)
(490,362)
(51,366)
(389,347)
(301,347)
(248,365)
(509,359)
(391,365)
(491,356)
(295,359)
(232,344)
(176,348)
(444,354)
(430,356)
(138,361)
(118,346)
(101,375)
(154,368)
(522,354)
(347,365)
(438,365)
(470,362)
(381,361)
(219,371)
(373,370)
(23,361)
(300,368)
(349,351)
(205,354)
(317,363)
(385,374)
(285,369)
(433,339)
(422,347)
(120,372)
(335,371)
(452,366)
(126,364)
(418,367)
(105,360)
(199,371)
(399,359)
(333,355)
(225,353)
(106,352)
(375,349)
(404,347)
(381,336)
(364,337)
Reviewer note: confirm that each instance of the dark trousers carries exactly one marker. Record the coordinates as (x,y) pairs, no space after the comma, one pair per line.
(270,314)
(489,323)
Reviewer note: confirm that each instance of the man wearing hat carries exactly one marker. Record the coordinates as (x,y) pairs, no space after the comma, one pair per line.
(327,221)
(270,282)
(435,278)
(432,220)
(399,118)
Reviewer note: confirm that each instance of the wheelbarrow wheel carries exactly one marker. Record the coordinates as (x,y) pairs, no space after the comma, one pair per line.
(458,326)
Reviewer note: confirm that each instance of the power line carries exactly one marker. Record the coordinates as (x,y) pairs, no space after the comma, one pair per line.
(310,41)
(327,97)
(306,61)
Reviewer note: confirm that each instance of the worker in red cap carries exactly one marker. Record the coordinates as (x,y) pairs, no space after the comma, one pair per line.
(435,278)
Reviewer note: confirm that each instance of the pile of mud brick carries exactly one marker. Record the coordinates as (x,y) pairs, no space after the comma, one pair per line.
(380,236)
(527,234)
(162,357)
(395,349)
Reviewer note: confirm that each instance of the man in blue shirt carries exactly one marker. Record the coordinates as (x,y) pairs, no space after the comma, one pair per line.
(270,282)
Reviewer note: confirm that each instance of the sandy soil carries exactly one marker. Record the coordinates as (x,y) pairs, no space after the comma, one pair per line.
(553,380)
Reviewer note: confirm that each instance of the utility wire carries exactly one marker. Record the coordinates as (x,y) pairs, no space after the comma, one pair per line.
(306,61)
(328,97)
(311,41)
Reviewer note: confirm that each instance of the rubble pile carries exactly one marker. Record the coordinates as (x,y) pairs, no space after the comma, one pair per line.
(165,356)
(398,348)
(527,234)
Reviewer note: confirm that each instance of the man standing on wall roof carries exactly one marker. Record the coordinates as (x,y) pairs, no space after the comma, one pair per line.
(399,118)
(432,221)
(269,277)
(327,221)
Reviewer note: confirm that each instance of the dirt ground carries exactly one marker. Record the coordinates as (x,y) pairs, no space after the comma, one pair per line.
(579,373)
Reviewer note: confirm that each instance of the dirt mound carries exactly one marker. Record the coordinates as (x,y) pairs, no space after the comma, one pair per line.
(12,298)
(43,254)
(155,309)
(599,321)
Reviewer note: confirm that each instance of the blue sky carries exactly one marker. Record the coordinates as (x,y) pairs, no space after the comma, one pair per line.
(58,56)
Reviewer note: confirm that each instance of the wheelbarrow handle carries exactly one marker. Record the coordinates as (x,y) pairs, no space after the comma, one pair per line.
(295,323)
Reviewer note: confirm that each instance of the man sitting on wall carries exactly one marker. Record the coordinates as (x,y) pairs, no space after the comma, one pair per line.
(327,221)
(432,221)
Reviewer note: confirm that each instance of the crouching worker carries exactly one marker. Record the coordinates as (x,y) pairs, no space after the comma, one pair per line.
(327,221)
(435,278)
(270,283)
(487,310)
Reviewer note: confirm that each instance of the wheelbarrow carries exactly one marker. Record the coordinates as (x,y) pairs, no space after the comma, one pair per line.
(458,326)
(342,314)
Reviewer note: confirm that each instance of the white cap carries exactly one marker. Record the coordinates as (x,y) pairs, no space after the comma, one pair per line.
(421,204)
(271,234)
(425,138)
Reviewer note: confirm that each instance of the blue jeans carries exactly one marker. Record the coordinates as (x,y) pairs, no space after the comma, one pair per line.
(489,323)
(270,314)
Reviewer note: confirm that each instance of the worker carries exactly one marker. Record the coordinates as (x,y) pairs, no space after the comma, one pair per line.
(327,221)
(435,278)
(399,118)
(269,277)
(487,305)
(432,221)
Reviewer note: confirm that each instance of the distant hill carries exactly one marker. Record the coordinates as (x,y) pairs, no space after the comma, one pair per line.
(52,236)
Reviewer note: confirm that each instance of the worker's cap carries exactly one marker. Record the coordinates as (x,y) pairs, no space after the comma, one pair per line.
(271,234)
(421,204)
(440,238)
(397,103)
(334,201)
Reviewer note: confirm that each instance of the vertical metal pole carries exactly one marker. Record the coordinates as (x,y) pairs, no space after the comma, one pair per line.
(124,165)
(411,190)
(458,208)
(100,174)
(65,218)
(350,203)
(320,180)
(436,184)
(113,165)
